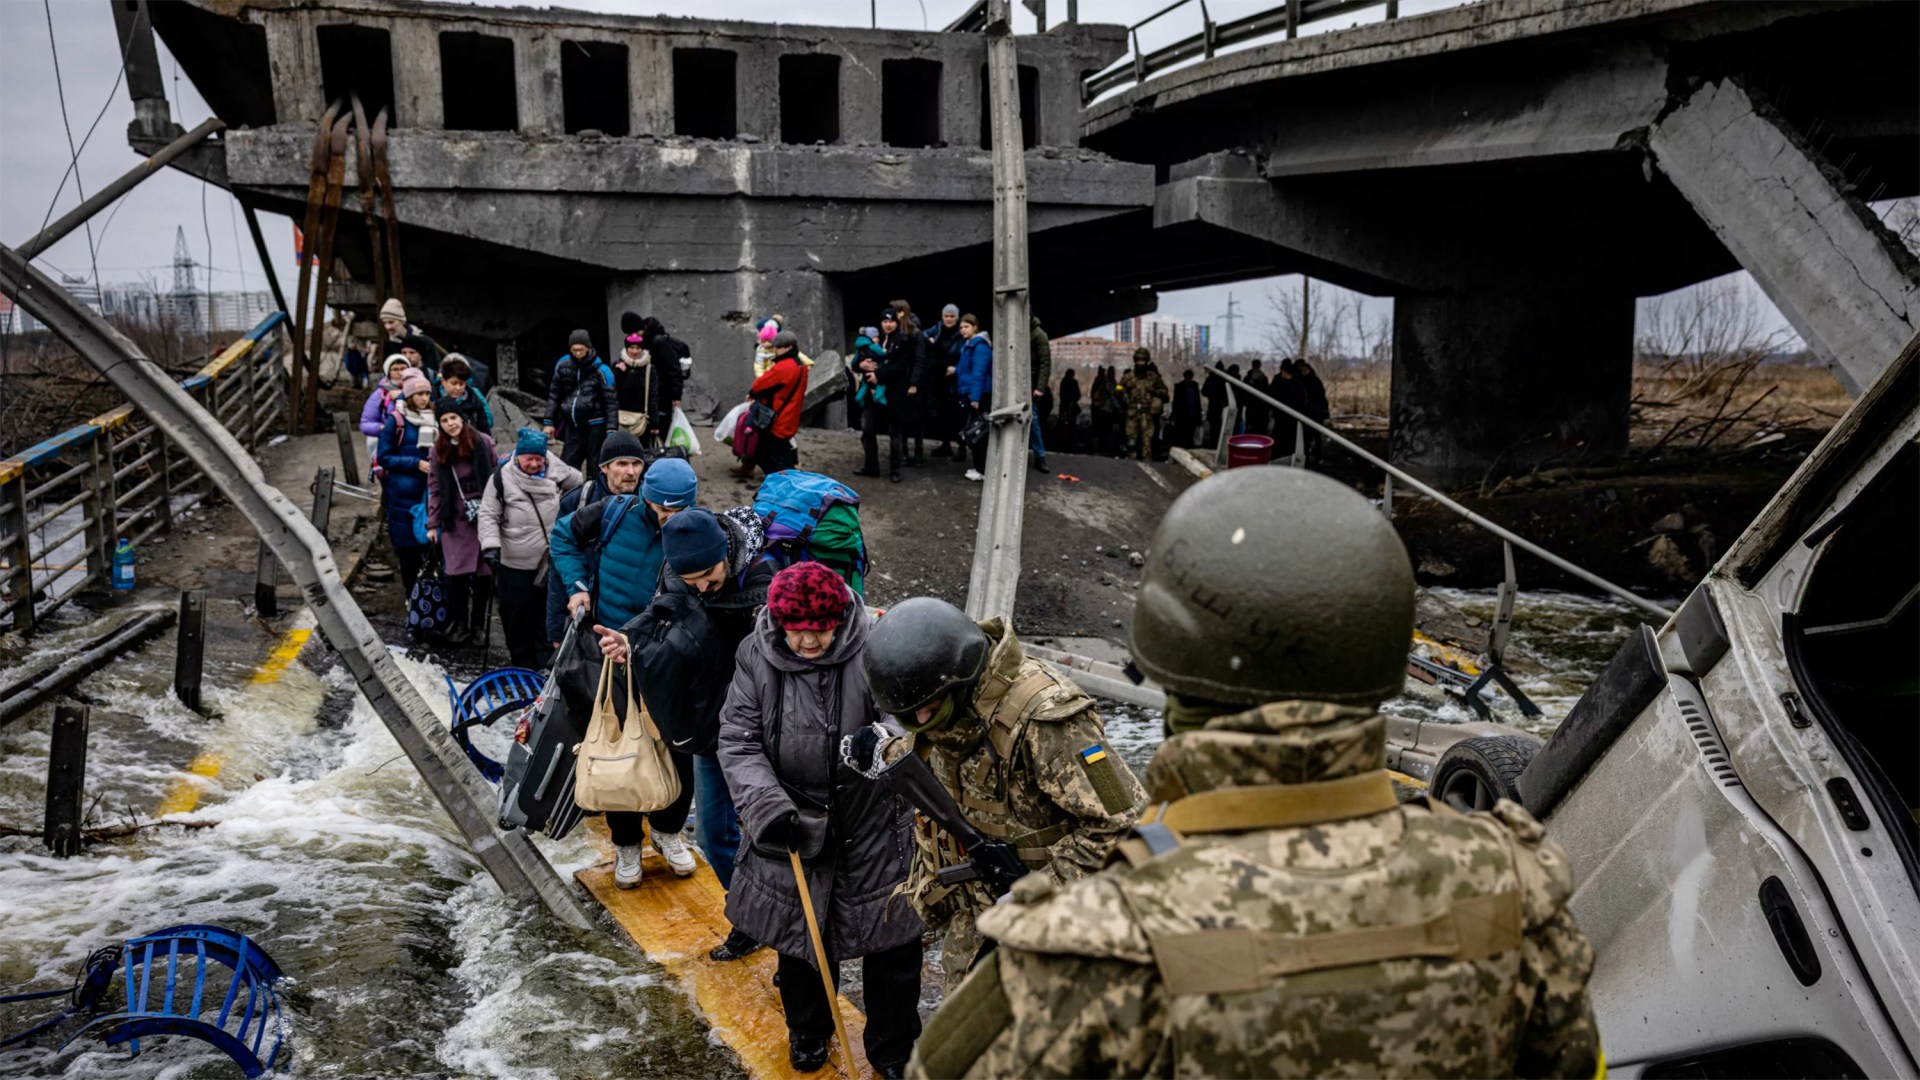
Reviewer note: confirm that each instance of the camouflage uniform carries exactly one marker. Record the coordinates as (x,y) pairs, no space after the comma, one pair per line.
(1028,764)
(1324,947)
(1144,392)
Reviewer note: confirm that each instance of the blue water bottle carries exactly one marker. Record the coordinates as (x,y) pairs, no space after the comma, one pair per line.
(123,565)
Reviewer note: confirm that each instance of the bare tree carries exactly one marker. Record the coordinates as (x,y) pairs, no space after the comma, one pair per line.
(1704,344)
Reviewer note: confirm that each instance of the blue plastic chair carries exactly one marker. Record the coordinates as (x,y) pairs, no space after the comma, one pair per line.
(497,693)
(202,947)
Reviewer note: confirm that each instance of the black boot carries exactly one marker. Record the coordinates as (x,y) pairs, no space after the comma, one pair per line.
(1040,463)
(737,945)
(807,1053)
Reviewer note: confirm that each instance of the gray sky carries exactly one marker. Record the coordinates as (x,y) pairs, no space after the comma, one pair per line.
(135,240)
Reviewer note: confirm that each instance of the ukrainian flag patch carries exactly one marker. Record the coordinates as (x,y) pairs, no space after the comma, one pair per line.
(1093,753)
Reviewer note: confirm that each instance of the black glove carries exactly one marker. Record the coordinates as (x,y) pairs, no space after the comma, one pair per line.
(492,557)
(996,863)
(781,831)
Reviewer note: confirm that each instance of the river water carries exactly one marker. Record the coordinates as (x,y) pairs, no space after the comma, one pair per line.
(402,959)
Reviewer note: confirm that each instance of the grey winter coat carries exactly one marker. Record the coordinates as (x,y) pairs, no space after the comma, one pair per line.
(780,732)
(519,526)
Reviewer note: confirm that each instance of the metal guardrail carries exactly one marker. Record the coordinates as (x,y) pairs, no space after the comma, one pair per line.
(1137,67)
(124,478)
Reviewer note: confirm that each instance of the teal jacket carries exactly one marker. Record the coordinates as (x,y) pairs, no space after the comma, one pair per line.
(611,549)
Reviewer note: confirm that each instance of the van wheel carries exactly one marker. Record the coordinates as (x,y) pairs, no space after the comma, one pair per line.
(1476,773)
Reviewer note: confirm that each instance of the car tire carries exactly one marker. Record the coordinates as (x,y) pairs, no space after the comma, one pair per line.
(1476,773)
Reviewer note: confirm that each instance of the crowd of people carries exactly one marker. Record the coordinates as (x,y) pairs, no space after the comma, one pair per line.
(1079,933)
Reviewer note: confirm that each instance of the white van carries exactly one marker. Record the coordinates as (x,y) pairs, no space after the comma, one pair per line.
(1738,790)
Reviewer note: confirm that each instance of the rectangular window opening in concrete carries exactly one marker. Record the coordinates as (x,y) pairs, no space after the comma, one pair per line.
(1029,107)
(593,87)
(809,99)
(910,102)
(704,94)
(477,82)
(358,60)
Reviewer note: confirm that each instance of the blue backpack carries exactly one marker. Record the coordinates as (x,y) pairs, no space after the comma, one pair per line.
(813,518)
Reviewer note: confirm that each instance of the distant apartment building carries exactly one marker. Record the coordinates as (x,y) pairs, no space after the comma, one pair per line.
(228,312)
(1170,339)
(1090,352)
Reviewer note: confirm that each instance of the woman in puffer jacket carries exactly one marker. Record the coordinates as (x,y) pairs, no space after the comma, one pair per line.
(517,514)
(373,415)
(798,688)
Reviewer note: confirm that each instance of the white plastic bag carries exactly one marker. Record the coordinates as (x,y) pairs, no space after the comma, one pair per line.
(724,429)
(680,433)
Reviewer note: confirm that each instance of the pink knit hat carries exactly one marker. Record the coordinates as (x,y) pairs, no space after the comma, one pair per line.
(414,383)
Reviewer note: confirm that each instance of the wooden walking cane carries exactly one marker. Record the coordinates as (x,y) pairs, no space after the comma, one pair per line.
(826,973)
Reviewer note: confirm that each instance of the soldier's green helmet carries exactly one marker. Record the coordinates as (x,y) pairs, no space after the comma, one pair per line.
(1269,584)
(920,649)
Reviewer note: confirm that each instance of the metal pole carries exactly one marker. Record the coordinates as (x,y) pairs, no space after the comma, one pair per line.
(266,582)
(996,544)
(322,500)
(13,520)
(66,779)
(510,857)
(76,217)
(349,456)
(1423,488)
(190,648)
(266,259)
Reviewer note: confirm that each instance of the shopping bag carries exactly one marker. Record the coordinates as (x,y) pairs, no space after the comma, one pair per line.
(427,616)
(724,430)
(680,433)
(622,765)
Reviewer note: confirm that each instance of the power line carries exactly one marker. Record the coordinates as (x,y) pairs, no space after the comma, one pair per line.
(60,88)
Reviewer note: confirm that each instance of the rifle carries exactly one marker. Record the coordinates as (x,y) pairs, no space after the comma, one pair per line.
(990,861)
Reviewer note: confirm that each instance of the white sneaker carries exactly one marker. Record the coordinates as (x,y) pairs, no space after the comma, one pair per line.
(975,475)
(626,866)
(674,850)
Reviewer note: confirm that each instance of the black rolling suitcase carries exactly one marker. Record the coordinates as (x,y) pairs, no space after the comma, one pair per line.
(536,787)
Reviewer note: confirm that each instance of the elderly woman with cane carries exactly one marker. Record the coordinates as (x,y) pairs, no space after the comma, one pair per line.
(826,850)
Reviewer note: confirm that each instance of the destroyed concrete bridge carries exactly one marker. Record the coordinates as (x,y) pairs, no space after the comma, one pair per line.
(1513,172)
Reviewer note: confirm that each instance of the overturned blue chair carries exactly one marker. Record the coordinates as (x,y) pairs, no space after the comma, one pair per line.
(500,692)
(158,969)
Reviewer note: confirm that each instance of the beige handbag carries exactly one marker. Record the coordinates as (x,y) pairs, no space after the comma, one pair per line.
(622,766)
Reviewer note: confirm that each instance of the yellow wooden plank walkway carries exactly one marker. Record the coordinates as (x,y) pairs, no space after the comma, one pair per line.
(675,920)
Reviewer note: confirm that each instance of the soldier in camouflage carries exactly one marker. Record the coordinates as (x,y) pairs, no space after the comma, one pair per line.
(1144,392)
(1277,912)
(1017,745)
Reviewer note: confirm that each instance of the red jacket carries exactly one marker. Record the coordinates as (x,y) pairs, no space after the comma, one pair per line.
(783,389)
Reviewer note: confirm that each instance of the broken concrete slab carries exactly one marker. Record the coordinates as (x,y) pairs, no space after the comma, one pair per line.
(1845,283)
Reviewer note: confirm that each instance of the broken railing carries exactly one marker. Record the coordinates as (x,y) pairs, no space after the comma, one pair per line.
(66,502)
(1137,67)
(1394,473)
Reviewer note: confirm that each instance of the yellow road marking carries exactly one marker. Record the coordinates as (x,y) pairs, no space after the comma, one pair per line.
(283,655)
(675,921)
(186,792)
(1410,781)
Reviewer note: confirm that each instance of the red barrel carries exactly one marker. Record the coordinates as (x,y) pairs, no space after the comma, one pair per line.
(1248,450)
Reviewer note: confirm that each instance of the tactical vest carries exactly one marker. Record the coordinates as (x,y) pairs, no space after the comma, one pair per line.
(981,785)
(1293,962)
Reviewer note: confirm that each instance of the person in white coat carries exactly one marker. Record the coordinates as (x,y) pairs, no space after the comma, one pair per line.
(517,512)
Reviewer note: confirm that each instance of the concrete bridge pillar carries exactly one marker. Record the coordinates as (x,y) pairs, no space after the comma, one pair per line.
(715,314)
(1500,380)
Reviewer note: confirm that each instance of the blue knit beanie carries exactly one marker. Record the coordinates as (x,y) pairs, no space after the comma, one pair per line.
(693,541)
(531,441)
(670,482)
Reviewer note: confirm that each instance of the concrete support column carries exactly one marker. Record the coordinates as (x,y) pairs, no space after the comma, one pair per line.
(650,78)
(715,313)
(1500,381)
(1845,282)
(416,75)
(537,73)
(293,60)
